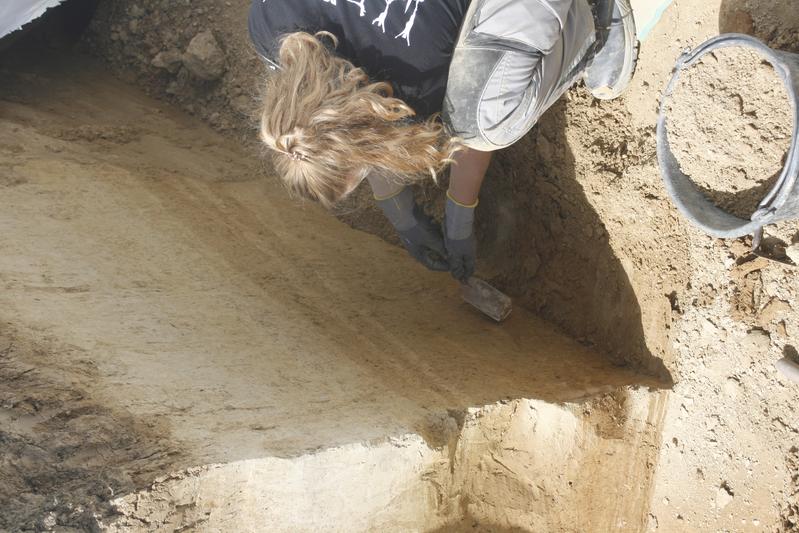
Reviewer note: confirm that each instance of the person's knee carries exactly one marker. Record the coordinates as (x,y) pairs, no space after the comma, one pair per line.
(469,74)
(492,96)
(496,90)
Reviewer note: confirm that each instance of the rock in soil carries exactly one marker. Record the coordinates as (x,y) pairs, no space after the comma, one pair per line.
(204,57)
(169,60)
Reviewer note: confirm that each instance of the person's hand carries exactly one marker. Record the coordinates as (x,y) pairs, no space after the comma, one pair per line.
(462,256)
(459,239)
(420,235)
(425,243)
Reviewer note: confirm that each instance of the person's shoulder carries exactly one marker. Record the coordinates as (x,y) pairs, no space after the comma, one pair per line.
(261,34)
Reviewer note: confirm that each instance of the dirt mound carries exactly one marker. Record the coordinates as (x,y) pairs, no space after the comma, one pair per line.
(775,22)
(730,127)
(196,55)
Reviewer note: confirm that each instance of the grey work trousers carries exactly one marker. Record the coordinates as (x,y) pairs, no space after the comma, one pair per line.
(513,60)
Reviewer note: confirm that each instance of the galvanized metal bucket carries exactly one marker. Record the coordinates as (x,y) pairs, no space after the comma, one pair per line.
(782,201)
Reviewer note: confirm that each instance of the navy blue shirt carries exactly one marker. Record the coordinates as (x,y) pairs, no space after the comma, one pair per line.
(408,43)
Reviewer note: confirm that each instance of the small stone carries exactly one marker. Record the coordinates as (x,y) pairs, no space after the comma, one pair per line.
(243,105)
(723,496)
(204,57)
(50,520)
(756,341)
(774,309)
(731,388)
(170,60)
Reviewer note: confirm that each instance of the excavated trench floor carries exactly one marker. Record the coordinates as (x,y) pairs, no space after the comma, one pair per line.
(182,346)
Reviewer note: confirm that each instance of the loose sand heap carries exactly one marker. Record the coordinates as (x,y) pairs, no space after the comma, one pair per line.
(730,127)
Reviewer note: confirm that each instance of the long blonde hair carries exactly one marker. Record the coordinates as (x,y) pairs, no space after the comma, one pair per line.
(328,125)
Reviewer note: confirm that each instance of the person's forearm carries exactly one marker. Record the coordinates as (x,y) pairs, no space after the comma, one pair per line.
(466,175)
(383,187)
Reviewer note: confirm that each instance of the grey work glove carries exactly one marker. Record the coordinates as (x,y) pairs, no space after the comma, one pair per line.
(420,235)
(459,239)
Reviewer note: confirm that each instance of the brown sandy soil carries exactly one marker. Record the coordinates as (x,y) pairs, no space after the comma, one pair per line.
(175,332)
(730,125)
(575,224)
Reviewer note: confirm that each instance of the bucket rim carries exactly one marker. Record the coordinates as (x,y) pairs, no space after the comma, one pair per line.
(698,209)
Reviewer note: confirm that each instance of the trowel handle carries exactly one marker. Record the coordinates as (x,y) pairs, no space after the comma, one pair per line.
(486,299)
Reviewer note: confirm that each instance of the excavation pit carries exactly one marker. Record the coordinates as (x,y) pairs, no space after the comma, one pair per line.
(183,344)
(185,348)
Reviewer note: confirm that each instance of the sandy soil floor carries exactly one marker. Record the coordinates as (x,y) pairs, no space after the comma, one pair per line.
(575,224)
(165,310)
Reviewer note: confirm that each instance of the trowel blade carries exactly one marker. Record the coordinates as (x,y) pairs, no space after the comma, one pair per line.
(486,299)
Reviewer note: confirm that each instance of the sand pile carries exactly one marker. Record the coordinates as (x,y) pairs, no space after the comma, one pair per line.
(730,127)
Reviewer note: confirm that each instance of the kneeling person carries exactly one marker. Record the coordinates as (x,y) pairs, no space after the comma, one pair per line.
(394,91)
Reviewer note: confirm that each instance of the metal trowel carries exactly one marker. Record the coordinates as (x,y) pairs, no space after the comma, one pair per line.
(486,299)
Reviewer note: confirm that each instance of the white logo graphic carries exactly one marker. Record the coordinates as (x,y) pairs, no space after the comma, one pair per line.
(380,21)
(406,33)
(359,3)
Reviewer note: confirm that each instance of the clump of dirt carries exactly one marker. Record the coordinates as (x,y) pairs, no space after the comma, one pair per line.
(196,55)
(730,127)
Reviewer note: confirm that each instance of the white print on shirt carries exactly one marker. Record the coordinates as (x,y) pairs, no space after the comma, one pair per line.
(359,3)
(406,33)
(380,21)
